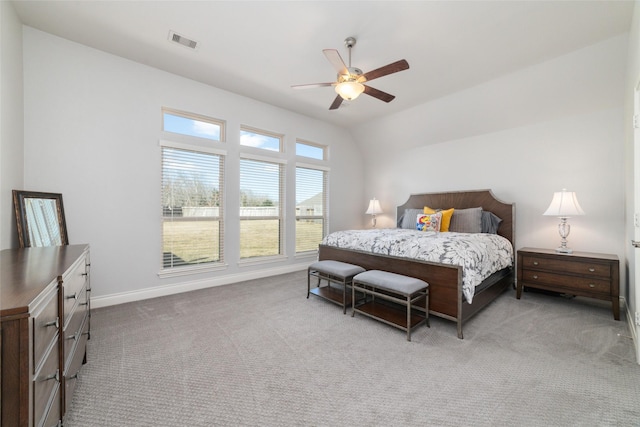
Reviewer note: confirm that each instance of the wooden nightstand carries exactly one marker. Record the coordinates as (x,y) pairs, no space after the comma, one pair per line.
(580,273)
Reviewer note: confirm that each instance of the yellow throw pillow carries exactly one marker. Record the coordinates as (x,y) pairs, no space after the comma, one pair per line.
(446,217)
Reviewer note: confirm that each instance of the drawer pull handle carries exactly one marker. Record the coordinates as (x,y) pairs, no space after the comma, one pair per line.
(74,376)
(591,269)
(591,285)
(74,296)
(535,276)
(83,303)
(85,274)
(55,323)
(55,376)
(535,262)
(73,337)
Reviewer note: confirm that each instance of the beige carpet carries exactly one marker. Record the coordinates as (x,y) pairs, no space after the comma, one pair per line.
(260,354)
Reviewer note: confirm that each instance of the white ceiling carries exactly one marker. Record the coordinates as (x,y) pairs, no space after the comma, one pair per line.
(259,49)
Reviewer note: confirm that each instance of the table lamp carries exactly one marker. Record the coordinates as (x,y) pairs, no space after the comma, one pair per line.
(564,205)
(374,209)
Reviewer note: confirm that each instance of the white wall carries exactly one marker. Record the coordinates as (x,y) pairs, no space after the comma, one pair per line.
(11,120)
(564,129)
(92,125)
(631,169)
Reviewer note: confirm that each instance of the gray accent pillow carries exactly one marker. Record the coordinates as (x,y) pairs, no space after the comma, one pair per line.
(466,220)
(408,219)
(490,222)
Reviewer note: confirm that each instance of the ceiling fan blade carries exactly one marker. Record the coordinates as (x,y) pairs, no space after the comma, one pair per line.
(382,96)
(312,85)
(336,60)
(336,103)
(387,69)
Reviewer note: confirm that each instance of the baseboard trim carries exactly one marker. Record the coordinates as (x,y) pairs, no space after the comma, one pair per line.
(632,329)
(177,288)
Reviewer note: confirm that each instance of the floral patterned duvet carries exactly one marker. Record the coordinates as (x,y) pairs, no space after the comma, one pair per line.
(479,254)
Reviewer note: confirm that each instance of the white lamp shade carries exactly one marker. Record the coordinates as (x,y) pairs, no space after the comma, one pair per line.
(564,205)
(374,207)
(349,90)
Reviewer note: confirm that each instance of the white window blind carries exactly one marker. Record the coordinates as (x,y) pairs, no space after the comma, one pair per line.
(311,207)
(192,214)
(261,199)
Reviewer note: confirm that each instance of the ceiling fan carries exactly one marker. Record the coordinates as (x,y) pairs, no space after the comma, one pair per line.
(350,81)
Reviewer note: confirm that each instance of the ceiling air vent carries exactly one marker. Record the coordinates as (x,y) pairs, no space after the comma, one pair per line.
(177,38)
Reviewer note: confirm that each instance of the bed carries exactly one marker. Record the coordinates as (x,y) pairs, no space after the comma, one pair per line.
(447,299)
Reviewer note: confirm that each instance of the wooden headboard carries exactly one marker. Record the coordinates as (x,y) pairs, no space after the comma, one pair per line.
(467,199)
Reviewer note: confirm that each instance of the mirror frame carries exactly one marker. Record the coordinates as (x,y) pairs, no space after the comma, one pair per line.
(21,216)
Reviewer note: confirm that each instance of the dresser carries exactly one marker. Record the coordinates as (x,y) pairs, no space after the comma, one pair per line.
(44,327)
(586,274)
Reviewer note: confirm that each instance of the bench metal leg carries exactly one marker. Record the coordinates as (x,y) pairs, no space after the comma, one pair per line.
(426,307)
(408,317)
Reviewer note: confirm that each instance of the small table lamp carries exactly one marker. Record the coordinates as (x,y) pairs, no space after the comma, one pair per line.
(564,205)
(374,209)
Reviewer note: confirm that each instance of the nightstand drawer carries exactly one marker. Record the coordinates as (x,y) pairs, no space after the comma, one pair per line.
(567,266)
(583,284)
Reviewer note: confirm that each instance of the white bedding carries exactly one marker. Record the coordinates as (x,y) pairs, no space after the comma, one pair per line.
(479,254)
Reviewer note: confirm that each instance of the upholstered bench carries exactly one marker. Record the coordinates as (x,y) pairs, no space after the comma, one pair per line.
(392,298)
(333,272)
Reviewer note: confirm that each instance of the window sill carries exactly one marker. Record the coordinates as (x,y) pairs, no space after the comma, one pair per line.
(186,271)
(261,260)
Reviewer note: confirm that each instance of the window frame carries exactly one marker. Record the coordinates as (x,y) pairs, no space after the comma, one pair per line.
(281,217)
(197,117)
(324,148)
(270,134)
(325,209)
(221,264)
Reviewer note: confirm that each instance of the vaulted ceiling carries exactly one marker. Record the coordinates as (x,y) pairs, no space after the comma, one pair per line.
(260,49)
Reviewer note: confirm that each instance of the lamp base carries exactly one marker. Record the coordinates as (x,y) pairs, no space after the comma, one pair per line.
(564,250)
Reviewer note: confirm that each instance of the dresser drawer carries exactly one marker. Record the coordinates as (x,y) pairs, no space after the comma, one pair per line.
(73,332)
(76,361)
(566,282)
(73,284)
(53,416)
(45,382)
(46,325)
(585,268)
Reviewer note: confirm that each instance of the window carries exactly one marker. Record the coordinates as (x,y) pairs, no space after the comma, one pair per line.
(310,150)
(192,220)
(261,195)
(311,207)
(260,139)
(192,125)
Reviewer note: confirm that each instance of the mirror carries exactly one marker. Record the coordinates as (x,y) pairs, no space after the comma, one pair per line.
(40,219)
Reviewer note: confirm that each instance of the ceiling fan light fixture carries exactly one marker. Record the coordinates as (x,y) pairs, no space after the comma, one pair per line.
(349,90)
